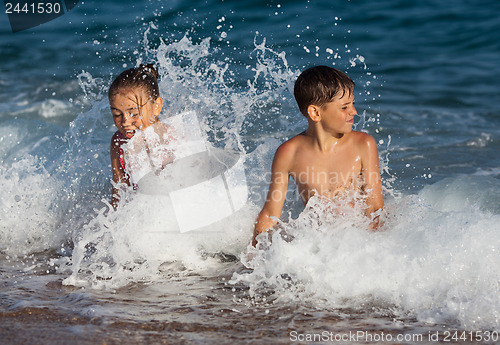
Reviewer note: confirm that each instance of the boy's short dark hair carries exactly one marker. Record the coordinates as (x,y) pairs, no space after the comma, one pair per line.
(319,85)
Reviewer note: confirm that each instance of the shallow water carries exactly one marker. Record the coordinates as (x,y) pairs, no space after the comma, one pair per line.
(426,86)
(195,308)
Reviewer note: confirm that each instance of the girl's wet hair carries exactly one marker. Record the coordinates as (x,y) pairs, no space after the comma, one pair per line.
(319,85)
(144,77)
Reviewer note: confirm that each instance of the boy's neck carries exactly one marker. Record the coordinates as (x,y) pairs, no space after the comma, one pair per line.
(325,141)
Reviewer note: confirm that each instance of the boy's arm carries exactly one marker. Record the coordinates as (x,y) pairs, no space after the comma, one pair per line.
(280,173)
(371,173)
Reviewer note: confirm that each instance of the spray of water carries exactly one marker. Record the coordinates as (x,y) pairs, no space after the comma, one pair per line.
(435,258)
(132,243)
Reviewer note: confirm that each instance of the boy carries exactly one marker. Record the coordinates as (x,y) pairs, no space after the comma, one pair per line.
(329,156)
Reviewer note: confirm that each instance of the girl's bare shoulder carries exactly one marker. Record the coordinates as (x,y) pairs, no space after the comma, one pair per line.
(117,139)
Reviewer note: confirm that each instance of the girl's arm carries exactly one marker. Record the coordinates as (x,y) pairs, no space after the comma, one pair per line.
(119,175)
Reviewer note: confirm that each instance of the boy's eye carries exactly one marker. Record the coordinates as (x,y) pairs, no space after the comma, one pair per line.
(345,106)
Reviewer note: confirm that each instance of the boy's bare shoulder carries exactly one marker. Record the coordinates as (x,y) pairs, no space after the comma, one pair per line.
(362,139)
(289,148)
(364,143)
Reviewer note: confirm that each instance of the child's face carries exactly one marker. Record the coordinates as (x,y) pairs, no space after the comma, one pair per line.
(134,110)
(338,115)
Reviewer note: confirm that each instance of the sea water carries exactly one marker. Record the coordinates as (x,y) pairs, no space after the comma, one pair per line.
(426,89)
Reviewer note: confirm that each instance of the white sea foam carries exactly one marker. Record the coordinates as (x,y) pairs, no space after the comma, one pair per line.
(436,258)
(28,209)
(133,242)
(53,193)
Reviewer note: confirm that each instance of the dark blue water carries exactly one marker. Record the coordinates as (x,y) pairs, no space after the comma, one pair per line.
(427,88)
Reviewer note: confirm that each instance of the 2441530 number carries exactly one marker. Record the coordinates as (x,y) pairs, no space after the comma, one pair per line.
(39,8)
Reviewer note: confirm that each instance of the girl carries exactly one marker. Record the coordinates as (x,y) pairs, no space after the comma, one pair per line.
(139,144)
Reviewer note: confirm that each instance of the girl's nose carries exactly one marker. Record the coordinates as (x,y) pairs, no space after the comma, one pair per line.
(126,119)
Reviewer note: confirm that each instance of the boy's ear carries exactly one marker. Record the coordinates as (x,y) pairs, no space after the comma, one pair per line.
(158,106)
(313,113)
